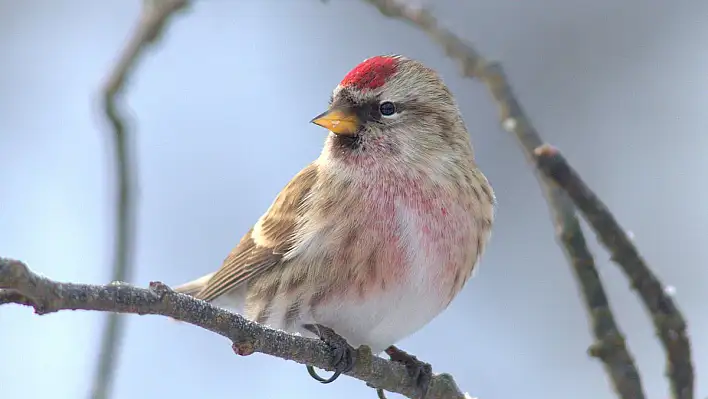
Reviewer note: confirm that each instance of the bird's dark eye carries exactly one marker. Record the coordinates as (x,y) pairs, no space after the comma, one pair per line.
(387,108)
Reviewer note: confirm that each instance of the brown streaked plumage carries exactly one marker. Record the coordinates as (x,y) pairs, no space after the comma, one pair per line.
(379,234)
(265,244)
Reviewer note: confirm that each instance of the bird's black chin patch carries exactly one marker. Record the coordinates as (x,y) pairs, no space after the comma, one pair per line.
(348,142)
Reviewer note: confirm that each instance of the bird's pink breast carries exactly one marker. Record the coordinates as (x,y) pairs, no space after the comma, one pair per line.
(403,252)
(418,232)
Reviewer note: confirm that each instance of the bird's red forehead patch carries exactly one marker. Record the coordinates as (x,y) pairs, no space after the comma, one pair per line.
(371,74)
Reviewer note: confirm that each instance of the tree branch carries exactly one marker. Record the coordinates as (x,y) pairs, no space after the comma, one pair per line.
(24,287)
(153,19)
(668,321)
(610,346)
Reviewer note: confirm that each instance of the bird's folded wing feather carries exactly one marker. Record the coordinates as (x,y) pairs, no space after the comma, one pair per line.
(265,244)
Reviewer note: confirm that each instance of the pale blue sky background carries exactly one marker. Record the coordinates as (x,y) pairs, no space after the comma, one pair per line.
(221,109)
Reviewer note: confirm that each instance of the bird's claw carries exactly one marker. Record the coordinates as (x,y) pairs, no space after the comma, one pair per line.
(342,352)
(419,371)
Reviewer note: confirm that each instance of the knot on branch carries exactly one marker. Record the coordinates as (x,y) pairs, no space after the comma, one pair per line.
(607,346)
(160,289)
(13,273)
(18,285)
(243,348)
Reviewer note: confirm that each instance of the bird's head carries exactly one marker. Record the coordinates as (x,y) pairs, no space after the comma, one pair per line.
(393,108)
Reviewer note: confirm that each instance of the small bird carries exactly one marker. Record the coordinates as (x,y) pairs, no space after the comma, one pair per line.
(374,238)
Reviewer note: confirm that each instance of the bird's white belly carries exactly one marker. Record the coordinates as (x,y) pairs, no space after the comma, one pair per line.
(403,308)
(383,320)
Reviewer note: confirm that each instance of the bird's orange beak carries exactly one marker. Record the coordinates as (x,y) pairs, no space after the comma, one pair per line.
(339,121)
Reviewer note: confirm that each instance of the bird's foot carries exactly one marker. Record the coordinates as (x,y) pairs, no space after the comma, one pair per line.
(342,352)
(419,371)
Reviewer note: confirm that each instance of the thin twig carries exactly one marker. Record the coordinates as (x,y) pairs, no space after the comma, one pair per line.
(668,321)
(20,285)
(610,346)
(153,19)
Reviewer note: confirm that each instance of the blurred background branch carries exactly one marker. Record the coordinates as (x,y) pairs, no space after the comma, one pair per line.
(154,18)
(610,347)
(667,318)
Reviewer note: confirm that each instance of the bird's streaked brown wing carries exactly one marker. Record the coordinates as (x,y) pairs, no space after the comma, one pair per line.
(265,244)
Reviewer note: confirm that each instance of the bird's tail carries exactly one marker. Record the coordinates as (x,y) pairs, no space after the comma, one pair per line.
(193,287)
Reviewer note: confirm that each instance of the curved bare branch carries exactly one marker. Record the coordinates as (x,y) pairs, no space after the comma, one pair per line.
(153,19)
(668,321)
(18,284)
